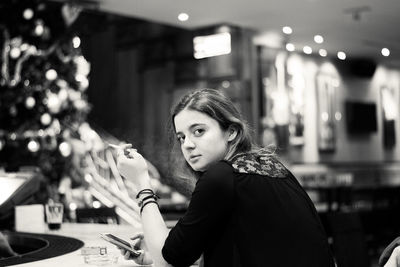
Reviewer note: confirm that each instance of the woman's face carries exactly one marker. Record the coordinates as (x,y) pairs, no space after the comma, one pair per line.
(202,140)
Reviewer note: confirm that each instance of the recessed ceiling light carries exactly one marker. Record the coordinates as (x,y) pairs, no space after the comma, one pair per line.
(322,52)
(307,50)
(287,30)
(318,39)
(341,55)
(183,17)
(385,52)
(290,47)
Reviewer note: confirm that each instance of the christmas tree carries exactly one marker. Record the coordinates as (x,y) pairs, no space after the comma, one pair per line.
(43,106)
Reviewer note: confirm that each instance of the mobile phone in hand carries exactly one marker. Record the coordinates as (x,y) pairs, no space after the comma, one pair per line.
(120,243)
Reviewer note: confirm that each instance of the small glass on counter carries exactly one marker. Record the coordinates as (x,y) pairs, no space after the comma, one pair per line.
(54,215)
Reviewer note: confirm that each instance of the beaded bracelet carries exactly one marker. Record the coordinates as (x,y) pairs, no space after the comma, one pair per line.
(144,205)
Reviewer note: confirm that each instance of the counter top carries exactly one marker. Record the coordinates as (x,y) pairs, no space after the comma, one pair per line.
(89,234)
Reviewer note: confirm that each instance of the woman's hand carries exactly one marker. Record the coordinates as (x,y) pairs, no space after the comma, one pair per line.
(132,166)
(144,258)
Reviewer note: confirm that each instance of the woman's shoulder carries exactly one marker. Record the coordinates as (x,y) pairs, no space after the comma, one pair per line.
(259,162)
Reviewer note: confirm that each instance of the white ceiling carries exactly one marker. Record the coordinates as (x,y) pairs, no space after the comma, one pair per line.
(361,28)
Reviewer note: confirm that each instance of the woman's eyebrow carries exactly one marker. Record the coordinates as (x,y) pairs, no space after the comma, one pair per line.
(195,125)
(191,127)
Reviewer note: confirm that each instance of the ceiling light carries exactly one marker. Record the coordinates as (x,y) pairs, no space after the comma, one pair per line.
(287,30)
(385,52)
(318,39)
(322,52)
(341,55)
(307,50)
(290,47)
(183,17)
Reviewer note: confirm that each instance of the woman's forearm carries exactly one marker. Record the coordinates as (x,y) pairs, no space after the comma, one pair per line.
(154,229)
(155,233)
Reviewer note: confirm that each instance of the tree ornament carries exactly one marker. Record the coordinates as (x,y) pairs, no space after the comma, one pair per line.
(26,83)
(28,14)
(33,146)
(30,102)
(51,74)
(65,149)
(2,144)
(45,119)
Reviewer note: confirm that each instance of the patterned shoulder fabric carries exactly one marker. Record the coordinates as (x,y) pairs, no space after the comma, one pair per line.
(259,163)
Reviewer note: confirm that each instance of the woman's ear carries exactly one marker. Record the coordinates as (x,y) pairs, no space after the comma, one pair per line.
(232,133)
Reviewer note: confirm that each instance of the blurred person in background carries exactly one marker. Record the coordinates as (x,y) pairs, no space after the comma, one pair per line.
(247,209)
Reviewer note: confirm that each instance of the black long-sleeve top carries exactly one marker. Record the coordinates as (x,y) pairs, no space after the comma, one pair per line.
(249,212)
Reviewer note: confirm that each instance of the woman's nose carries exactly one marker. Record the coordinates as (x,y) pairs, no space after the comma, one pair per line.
(188,143)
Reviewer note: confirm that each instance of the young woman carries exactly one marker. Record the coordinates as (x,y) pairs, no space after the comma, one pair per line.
(246,209)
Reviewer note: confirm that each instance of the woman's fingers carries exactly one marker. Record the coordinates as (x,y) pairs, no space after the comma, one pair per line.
(137,235)
(127,255)
(137,240)
(121,148)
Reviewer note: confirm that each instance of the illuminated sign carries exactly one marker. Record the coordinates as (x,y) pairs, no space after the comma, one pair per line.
(212,45)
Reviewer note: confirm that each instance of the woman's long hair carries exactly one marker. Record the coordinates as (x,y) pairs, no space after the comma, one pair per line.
(220,108)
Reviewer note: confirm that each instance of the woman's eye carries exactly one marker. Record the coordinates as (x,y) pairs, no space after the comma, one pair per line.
(198,132)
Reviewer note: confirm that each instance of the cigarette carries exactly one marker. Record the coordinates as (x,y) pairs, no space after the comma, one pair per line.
(126,149)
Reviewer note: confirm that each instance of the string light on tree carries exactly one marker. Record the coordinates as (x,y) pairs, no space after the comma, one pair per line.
(30,102)
(33,146)
(96,204)
(385,52)
(13,136)
(15,52)
(53,103)
(45,119)
(76,42)
(73,206)
(28,14)
(51,74)
(39,29)
(341,55)
(65,149)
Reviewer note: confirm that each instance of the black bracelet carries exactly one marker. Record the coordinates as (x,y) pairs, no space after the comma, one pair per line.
(147,190)
(154,197)
(144,205)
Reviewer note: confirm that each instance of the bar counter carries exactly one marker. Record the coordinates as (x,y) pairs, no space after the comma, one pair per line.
(89,234)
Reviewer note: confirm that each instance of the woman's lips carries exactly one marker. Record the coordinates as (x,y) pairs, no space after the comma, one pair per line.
(194,158)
